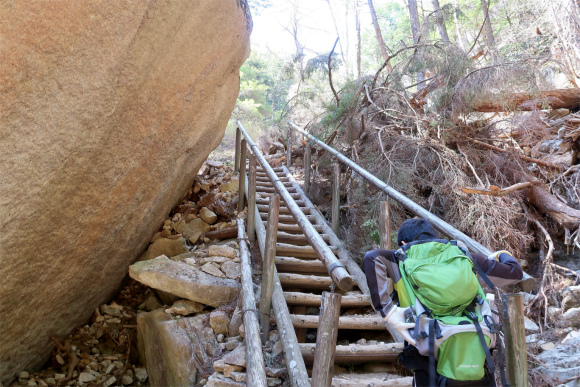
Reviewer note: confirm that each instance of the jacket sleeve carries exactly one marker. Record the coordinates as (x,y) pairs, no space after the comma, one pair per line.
(505,272)
(379,265)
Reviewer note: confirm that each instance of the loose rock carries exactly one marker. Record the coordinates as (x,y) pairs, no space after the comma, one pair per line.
(222,251)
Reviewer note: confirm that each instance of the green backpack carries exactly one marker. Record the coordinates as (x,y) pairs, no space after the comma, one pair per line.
(455,325)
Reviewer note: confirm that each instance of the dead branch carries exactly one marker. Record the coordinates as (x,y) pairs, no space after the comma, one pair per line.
(496,191)
(472,169)
(525,158)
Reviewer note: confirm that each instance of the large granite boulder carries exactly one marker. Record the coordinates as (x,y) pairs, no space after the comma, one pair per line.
(108,111)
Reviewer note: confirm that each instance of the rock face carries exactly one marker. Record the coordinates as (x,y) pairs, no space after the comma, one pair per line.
(108,111)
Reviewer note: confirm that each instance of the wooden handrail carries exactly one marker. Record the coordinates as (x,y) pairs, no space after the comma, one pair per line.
(336,269)
(527,284)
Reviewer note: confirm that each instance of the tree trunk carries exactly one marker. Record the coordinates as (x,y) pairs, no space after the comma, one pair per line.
(416,30)
(547,203)
(379,35)
(489,32)
(551,99)
(440,20)
(338,36)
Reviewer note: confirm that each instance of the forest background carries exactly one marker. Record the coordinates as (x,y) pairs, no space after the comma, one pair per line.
(467,107)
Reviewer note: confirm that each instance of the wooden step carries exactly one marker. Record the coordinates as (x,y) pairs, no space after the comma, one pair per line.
(267,194)
(269,184)
(267,179)
(294,228)
(372,323)
(298,239)
(266,201)
(287,218)
(308,299)
(262,189)
(357,353)
(283,210)
(370,380)
(295,265)
(287,250)
(299,281)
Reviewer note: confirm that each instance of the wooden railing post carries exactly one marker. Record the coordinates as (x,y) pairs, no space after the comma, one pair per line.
(323,367)
(307,162)
(255,367)
(252,199)
(336,198)
(515,339)
(289,146)
(385,225)
(237,154)
(242,189)
(269,267)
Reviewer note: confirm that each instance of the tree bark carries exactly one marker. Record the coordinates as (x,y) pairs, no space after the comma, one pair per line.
(342,52)
(416,30)
(380,40)
(547,203)
(440,20)
(489,32)
(551,99)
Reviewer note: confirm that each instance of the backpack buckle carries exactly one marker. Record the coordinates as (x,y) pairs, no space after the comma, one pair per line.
(472,315)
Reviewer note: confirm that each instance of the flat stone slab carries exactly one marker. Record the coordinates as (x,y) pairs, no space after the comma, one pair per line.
(184,280)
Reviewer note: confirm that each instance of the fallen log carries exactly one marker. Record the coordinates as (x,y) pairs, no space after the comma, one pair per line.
(224,233)
(550,99)
(547,203)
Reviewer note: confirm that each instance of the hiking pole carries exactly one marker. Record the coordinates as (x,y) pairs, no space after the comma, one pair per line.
(515,339)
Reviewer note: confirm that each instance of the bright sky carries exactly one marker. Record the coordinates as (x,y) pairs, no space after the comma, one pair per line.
(316,28)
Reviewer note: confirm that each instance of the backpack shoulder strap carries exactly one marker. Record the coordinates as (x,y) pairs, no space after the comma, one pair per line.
(477,267)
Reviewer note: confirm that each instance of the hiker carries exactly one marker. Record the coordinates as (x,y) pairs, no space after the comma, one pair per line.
(436,286)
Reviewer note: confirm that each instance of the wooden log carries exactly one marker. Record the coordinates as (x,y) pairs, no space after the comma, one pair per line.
(307,165)
(242,179)
(294,228)
(296,368)
(224,233)
(295,265)
(297,239)
(304,281)
(260,188)
(370,323)
(255,367)
(300,332)
(356,353)
(385,225)
(358,380)
(550,99)
(289,148)
(288,218)
(283,210)
(237,154)
(265,201)
(323,368)
(252,199)
(268,268)
(336,198)
(370,380)
(547,203)
(264,179)
(287,250)
(268,184)
(515,339)
(338,273)
(308,299)
(292,195)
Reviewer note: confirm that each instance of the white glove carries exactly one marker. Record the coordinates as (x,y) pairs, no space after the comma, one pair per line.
(496,254)
(396,317)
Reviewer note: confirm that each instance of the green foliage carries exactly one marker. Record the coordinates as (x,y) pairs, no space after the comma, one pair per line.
(370,227)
